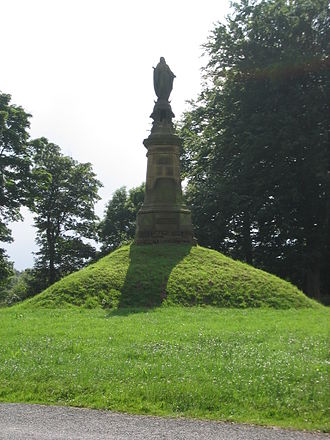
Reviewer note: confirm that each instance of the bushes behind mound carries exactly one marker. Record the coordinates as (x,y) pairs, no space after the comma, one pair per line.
(147,276)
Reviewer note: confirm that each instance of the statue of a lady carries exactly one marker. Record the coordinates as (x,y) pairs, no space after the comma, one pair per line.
(163,80)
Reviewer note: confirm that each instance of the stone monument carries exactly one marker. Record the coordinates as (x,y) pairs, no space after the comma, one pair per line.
(163,218)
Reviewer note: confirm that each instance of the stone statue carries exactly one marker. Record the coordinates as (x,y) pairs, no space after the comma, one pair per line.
(162,113)
(164,217)
(163,80)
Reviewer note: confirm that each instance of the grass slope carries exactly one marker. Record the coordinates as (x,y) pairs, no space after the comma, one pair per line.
(146,276)
(260,366)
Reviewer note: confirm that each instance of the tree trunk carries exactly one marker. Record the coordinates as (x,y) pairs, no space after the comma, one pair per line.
(312,283)
(51,250)
(247,241)
(52,276)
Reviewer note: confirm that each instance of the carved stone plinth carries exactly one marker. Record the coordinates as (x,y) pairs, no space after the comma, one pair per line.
(163,218)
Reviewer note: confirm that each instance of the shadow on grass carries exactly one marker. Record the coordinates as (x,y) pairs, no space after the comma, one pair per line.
(148,273)
(127,311)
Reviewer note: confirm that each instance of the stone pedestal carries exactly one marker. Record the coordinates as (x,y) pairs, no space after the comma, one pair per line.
(163,218)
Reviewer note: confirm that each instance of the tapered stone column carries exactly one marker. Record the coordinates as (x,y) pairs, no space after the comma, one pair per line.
(163,218)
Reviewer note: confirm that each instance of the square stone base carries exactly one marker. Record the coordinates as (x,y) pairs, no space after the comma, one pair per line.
(164,227)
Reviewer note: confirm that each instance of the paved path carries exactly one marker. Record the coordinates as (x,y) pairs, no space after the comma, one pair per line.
(38,422)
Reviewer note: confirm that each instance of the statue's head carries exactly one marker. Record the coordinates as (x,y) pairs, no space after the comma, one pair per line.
(162,60)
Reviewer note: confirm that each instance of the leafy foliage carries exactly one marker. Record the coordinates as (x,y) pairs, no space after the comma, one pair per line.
(118,225)
(149,275)
(20,285)
(14,170)
(6,270)
(256,151)
(62,198)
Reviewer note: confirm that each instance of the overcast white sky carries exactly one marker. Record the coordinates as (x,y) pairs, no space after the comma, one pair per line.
(83,69)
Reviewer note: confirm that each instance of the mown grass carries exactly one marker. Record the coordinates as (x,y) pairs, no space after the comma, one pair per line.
(147,276)
(262,366)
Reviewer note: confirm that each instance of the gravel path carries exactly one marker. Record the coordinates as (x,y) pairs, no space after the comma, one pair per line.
(26,422)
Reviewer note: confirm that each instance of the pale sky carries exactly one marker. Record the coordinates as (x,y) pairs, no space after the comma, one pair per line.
(83,69)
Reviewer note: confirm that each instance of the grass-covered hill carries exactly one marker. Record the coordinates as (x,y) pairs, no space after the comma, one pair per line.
(147,276)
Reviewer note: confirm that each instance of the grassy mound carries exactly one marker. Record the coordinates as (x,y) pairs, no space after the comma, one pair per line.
(147,276)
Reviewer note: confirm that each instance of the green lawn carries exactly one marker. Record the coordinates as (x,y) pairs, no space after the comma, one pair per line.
(261,366)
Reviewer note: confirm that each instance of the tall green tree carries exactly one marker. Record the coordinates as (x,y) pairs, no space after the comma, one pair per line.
(14,170)
(62,198)
(257,140)
(118,225)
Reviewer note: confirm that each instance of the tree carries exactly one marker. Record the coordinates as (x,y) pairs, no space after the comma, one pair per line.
(20,286)
(6,269)
(14,170)
(62,197)
(118,225)
(256,148)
